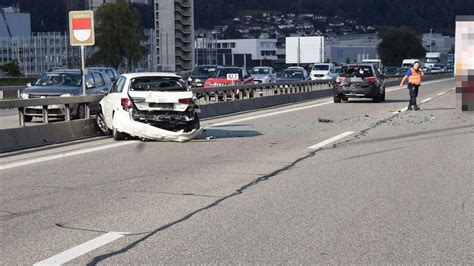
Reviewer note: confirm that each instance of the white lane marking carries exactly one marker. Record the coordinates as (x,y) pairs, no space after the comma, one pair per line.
(82,249)
(427,100)
(63,155)
(424,101)
(331,140)
(269,114)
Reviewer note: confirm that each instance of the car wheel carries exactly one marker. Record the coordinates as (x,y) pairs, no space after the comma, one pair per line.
(100,121)
(377,97)
(382,98)
(195,124)
(337,99)
(28,118)
(117,135)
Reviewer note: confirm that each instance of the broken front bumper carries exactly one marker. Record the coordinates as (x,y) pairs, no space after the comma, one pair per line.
(123,122)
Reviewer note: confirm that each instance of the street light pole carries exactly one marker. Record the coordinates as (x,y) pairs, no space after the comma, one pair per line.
(431,40)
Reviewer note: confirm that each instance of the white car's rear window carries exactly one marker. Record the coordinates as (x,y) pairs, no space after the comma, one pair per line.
(158,84)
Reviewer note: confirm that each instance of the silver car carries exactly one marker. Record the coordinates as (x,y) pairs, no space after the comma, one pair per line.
(263,75)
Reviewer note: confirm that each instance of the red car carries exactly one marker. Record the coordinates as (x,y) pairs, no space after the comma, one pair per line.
(220,77)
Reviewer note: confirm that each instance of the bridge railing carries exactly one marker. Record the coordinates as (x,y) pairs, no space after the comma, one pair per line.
(21,104)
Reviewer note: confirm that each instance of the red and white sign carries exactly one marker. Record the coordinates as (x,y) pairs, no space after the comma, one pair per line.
(81,28)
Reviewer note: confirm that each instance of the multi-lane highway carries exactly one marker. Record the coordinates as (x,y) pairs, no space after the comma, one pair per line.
(314,182)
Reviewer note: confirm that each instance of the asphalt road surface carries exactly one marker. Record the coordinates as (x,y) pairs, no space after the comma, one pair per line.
(281,185)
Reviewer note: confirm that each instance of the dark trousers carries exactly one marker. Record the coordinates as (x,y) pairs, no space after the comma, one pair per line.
(413,89)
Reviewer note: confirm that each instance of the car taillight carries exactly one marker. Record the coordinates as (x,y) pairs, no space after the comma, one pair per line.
(126,103)
(340,79)
(371,80)
(186,101)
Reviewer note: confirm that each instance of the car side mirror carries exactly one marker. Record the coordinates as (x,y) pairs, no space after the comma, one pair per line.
(90,85)
(28,84)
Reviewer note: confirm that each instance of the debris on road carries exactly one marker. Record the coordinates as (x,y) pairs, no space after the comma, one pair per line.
(211,138)
(325,120)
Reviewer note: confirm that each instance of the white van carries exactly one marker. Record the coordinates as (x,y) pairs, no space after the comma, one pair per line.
(376,62)
(323,71)
(408,63)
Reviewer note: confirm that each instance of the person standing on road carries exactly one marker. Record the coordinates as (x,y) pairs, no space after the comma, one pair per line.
(414,76)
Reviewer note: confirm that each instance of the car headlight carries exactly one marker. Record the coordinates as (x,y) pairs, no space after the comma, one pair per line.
(65,95)
(197,80)
(25,95)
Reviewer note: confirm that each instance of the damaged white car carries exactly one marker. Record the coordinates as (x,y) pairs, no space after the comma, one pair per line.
(154,106)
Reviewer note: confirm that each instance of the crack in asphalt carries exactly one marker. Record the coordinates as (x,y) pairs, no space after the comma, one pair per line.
(214,204)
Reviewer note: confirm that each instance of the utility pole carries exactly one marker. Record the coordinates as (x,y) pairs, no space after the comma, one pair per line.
(431,39)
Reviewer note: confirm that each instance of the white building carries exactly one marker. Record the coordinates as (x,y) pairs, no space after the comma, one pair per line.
(259,49)
(437,43)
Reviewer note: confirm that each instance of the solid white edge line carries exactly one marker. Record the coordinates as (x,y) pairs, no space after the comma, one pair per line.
(331,140)
(427,100)
(82,249)
(424,101)
(63,155)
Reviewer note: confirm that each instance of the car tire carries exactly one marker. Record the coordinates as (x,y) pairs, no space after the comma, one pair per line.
(345,99)
(382,97)
(337,99)
(117,135)
(377,97)
(100,122)
(28,118)
(195,124)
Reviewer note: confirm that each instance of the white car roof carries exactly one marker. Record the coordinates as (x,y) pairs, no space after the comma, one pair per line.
(151,74)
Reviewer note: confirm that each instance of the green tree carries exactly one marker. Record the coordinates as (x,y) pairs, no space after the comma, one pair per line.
(398,44)
(11,69)
(118,35)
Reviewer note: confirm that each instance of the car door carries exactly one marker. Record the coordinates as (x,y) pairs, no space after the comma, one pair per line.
(112,101)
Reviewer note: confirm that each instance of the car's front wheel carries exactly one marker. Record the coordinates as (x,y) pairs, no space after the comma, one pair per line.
(337,99)
(382,97)
(117,135)
(100,121)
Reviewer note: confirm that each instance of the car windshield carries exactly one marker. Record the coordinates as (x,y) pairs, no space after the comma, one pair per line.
(222,72)
(357,71)
(59,79)
(291,73)
(203,71)
(260,71)
(321,67)
(158,84)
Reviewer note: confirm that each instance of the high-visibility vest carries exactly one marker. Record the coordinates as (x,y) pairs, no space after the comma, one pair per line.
(416,77)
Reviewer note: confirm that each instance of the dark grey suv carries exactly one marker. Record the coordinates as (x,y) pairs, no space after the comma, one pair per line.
(64,83)
(359,81)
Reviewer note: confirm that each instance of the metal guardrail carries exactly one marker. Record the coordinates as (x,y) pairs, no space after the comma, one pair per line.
(20,104)
(242,92)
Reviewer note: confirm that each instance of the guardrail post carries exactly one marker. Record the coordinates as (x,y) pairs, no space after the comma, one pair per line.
(67,116)
(45,114)
(21,116)
(206,98)
(241,94)
(87,110)
(247,93)
(225,96)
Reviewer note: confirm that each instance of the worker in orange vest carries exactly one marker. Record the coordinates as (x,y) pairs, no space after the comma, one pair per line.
(414,76)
